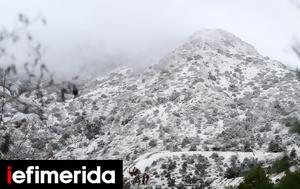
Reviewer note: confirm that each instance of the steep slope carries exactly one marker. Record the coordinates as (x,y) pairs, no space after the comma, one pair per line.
(213,95)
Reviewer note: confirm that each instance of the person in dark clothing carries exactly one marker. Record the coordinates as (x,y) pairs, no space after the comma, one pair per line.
(75,91)
(134,172)
(72,88)
(145,178)
(137,179)
(63,91)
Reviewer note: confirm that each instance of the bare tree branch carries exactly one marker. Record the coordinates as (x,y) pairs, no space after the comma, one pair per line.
(296,50)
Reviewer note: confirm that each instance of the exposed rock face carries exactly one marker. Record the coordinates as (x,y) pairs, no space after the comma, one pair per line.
(215,93)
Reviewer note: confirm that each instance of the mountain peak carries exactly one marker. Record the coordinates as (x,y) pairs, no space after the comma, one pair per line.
(223,40)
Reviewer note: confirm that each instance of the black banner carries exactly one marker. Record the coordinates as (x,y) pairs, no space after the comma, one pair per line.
(90,174)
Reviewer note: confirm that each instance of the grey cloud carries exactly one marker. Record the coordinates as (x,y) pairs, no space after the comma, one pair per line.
(96,35)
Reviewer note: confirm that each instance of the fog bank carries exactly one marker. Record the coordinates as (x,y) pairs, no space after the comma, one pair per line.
(84,37)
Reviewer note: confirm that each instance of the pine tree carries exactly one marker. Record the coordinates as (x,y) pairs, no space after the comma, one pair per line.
(290,181)
(256,179)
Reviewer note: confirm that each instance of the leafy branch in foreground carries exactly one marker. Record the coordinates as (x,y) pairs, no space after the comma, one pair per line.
(35,69)
(3,75)
(296,48)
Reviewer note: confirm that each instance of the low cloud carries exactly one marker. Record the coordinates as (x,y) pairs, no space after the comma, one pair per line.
(92,37)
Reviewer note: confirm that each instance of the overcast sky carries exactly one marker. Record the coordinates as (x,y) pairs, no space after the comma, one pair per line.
(139,32)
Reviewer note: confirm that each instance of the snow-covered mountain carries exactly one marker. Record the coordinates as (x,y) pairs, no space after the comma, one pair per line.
(184,120)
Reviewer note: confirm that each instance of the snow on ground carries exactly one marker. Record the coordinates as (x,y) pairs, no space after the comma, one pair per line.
(147,159)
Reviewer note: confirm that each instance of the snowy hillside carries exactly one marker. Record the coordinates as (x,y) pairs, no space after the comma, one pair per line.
(211,100)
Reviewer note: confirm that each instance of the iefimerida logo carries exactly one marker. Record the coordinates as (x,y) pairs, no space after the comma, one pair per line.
(34,175)
(66,173)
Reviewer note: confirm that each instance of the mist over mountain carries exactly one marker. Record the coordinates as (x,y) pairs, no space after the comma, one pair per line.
(90,38)
(212,101)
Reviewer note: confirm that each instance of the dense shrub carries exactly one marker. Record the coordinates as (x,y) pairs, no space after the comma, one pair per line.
(248,164)
(290,181)
(4,147)
(281,165)
(183,169)
(294,126)
(153,143)
(293,153)
(171,165)
(232,172)
(275,146)
(256,179)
